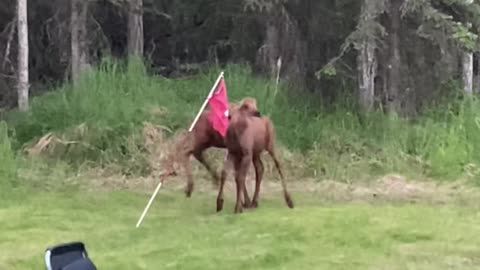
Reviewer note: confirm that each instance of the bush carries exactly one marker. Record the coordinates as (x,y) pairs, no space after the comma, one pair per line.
(100,121)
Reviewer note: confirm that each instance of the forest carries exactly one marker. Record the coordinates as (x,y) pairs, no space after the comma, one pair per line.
(372,100)
(396,55)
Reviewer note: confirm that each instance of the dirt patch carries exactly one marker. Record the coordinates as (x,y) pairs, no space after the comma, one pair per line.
(390,188)
(397,188)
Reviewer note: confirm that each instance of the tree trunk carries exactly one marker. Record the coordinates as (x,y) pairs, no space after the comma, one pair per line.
(467,64)
(135,28)
(476,74)
(393,99)
(283,40)
(268,54)
(366,60)
(367,65)
(78,24)
(23,83)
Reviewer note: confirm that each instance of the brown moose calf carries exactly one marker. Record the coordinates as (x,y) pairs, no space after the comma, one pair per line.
(247,137)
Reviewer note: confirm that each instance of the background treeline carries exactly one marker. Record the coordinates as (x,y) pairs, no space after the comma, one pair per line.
(393,54)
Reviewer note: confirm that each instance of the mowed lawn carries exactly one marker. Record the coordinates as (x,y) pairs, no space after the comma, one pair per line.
(180,233)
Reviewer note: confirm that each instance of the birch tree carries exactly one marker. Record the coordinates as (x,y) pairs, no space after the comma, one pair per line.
(367,61)
(135,28)
(467,72)
(394,63)
(78,24)
(23,82)
(468,41)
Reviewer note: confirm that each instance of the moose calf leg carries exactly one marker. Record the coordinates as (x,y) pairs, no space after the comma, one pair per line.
(220,191)
(241,169)
(199,156)
(189,187)
(259,169)
(247,203)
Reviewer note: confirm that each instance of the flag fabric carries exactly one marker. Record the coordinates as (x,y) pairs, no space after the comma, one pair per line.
(219,108)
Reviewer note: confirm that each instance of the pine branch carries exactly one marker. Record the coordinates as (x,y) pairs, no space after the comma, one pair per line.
(439,26)
(368,30)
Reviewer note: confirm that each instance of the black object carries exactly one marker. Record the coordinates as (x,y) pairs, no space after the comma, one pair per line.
(68,256)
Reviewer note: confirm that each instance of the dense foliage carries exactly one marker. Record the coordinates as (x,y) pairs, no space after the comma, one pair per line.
(318,42)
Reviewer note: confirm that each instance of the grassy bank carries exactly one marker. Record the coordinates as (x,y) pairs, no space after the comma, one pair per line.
(100,121)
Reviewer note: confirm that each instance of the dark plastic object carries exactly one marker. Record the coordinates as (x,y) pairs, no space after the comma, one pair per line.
(68,256)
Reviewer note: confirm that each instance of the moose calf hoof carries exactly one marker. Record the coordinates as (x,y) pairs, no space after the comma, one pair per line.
(238,210)
(188,191)
(254,204)
(219,205)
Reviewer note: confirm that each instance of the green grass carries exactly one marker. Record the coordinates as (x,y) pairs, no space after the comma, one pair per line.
(186,234)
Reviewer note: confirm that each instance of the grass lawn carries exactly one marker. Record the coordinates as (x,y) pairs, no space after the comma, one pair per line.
(186,234)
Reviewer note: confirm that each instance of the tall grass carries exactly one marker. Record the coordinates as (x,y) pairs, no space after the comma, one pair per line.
(104,113)
(8,162)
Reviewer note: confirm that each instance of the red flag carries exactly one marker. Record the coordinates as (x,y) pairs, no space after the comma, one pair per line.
(219,109)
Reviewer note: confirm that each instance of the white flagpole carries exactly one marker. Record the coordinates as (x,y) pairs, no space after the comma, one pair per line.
(206,102)
(191,127)
(149,203)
